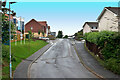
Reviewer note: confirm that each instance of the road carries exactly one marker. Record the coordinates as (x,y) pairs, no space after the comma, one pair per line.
(59,61)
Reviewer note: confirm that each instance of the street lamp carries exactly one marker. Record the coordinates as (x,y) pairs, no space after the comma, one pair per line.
(4,3)
(10,39)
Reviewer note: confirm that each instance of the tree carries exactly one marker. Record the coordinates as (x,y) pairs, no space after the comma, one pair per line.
(66,36)
(60,34)
(43,34)
(30,34)
(79,35)
(39,32)
(5,29)
(5,24)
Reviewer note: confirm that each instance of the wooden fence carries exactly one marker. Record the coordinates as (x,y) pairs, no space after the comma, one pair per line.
(94,48)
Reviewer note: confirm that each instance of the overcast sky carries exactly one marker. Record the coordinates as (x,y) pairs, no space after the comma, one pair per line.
(66,16)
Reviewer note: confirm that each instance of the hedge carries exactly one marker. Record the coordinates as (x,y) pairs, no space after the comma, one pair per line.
(99,37)
(109,42)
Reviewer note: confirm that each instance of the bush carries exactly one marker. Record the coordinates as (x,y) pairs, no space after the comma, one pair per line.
(92,37)
(113,65)
(66,36)
(112,48)
(5,51)
(104,36)
(99,38)
(109,43)
(51,37)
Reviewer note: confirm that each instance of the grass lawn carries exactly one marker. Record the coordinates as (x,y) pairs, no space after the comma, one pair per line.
(19,52)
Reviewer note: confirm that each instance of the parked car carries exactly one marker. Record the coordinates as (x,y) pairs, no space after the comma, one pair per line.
(43,38)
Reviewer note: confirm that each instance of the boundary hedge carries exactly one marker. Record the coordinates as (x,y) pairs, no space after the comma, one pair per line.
(109,44)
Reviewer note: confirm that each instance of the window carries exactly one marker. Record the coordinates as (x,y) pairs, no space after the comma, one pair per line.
(27,36)
(94,27)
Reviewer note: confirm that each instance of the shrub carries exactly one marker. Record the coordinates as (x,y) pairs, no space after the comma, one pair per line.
(109,43)
(92,37)
(51,37)
(5,51)
(112,48)
(99,38)
(112,65)
(104,36)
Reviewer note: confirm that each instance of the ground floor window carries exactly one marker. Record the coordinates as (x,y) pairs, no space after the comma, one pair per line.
(27,36)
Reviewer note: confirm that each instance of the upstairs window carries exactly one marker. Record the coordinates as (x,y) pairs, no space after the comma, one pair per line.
(94,27)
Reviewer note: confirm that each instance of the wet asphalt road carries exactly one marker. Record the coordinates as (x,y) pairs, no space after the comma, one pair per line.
(59,61)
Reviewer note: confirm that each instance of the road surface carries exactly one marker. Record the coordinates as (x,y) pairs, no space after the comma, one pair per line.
(59,61)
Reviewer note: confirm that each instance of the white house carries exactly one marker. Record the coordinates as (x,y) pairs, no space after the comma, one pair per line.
(109,19)
(90,27)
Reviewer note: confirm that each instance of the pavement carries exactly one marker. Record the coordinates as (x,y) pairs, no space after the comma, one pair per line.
(59,61)
(22,69)
(92,63)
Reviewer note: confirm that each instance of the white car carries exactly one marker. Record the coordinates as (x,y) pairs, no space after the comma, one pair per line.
(44,38)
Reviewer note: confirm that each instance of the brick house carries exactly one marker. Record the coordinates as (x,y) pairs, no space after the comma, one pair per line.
(90,27)
(35,27)
(44,24)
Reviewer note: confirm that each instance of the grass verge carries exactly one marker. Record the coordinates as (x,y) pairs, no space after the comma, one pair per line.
(19,52)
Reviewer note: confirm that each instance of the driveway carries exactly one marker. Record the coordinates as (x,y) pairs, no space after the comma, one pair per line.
(59,61)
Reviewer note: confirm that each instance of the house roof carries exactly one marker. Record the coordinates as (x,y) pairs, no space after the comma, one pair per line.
(113,10)
(44,23)
(36,22)
(11,17)
(18,32)
(91,24)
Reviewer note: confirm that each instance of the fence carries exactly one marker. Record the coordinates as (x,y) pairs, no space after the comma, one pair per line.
(94,48)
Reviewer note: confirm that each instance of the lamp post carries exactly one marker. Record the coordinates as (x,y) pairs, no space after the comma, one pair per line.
(10,39)
(15,37)
(24,31)
(21,29)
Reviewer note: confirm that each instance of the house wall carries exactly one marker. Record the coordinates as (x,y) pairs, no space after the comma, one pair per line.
(18,38)
(36,27)
(108,22)
(37,35)
(86,29)
(47,31)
